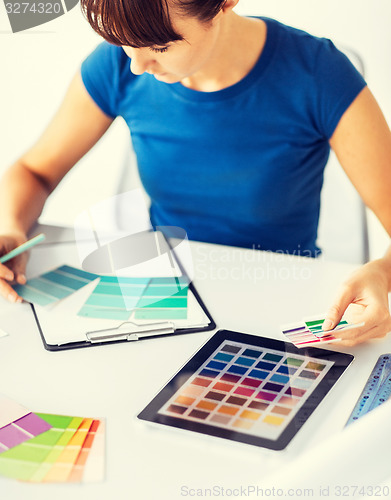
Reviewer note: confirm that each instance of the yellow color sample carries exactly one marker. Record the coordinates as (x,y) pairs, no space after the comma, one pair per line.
(271,419)
(69,455)
(78,438)
(86,424)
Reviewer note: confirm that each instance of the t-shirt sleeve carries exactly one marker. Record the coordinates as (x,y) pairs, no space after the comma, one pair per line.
(100,75)
(338,82)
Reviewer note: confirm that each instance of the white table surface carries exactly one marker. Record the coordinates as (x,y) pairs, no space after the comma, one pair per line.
(247,291)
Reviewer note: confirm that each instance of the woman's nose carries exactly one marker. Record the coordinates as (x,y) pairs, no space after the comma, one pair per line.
(140,61)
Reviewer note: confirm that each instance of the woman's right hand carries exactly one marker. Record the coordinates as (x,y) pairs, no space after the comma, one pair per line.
(14,270)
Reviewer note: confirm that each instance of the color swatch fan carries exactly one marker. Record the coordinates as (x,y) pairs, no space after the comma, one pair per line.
(310,332)
(17,424)
(54,285)
(43,448)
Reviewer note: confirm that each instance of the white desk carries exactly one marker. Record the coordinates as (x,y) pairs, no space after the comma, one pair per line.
(246,291)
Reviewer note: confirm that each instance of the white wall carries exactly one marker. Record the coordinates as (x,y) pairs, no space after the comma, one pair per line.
(37,65)
(36,68)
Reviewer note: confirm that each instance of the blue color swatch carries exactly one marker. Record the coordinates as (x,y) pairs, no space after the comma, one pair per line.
(54,285)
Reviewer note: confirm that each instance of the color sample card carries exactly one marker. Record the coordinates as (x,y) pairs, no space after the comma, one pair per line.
(164,298)
(89,466)
(57,455)
(54,285)
(250,389)
(61,469)
(151,298)
(21,430)
(31,460)
(114,298)
(310,331)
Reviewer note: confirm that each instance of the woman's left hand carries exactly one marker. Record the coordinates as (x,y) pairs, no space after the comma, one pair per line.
(363,298)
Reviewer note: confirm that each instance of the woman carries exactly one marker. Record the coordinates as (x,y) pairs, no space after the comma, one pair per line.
(232,120)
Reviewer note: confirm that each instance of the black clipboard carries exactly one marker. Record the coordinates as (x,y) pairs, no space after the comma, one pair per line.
(111,337)
(128,330)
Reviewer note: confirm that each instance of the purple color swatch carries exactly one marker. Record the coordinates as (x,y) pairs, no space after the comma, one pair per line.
(21,430)
(11,436)
(33,424)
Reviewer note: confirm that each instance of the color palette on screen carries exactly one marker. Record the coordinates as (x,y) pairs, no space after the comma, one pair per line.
(246,389)
(54,285)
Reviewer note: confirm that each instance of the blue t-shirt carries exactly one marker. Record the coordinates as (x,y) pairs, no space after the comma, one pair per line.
(242,166)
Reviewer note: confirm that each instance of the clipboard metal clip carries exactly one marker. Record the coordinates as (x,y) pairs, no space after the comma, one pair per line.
(130,331)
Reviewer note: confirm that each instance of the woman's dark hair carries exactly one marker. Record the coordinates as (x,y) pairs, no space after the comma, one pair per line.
(143,23)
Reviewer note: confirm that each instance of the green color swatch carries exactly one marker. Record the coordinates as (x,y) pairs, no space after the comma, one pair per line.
(165,298)
(316,326)
(157,298)
(114,298)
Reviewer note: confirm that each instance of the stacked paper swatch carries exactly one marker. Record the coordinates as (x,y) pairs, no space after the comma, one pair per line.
(113,297)
(310,332)
(42,448)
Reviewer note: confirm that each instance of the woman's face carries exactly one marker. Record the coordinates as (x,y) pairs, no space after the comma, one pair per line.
(178,60)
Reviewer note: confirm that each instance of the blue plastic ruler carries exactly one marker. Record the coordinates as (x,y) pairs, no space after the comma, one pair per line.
(377,389)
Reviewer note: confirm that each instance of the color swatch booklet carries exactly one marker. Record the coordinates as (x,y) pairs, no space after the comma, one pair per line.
(42,448)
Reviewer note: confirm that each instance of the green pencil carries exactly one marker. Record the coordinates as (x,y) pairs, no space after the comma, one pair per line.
(22,248)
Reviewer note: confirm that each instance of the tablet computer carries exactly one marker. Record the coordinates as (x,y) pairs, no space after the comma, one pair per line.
(247,388)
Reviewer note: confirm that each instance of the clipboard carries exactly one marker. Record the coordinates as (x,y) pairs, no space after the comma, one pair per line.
(88,333)
(127,331)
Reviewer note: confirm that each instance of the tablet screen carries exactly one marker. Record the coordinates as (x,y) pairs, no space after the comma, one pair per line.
(247,388)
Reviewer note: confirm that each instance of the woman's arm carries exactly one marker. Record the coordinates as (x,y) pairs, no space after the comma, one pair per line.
(362,143)
(76,127)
